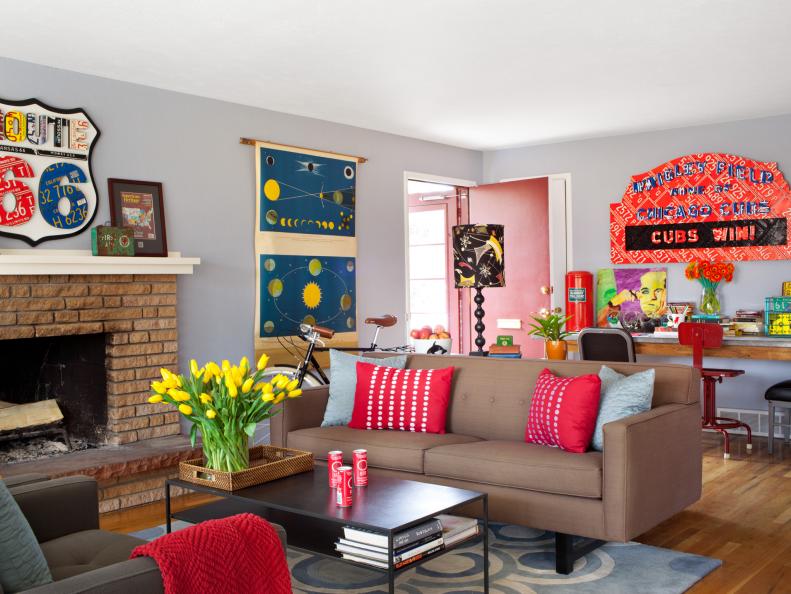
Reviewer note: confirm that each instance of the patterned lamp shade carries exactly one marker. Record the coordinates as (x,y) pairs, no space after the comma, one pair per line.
(478,257)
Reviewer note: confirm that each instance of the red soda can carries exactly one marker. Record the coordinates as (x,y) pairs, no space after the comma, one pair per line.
(344,488)
(334,461)
(360,464)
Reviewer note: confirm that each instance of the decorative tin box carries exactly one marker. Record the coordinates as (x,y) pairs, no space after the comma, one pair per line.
(112,241)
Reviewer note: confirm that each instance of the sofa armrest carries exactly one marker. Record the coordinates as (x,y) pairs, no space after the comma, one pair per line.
(652,468)
(24,479)
(299,413)
(135,576)
(59,506)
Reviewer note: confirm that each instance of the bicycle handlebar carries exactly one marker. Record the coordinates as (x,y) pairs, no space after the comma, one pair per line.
(324,332)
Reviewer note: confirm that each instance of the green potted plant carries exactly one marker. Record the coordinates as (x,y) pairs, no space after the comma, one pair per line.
(550,326)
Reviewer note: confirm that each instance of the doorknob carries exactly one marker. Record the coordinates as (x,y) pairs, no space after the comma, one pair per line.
(547,290)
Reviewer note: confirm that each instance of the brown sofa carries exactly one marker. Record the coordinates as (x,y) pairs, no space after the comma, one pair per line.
(64,516)
(650,468)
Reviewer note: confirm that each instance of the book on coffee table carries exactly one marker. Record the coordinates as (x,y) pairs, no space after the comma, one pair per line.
(400,540)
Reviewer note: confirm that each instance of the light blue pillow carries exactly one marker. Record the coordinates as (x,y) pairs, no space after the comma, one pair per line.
(22,564)
(343,381)
(621,396)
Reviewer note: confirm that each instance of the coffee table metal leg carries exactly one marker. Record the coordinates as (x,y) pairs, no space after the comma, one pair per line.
(167,507)
(390,565)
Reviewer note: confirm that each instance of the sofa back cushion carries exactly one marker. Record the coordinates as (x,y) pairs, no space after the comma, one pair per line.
(22,563)
(491,398)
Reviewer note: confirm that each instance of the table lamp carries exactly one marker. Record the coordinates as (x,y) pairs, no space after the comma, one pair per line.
(478,262)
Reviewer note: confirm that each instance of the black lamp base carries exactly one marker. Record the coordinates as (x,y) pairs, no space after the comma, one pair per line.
(480,341)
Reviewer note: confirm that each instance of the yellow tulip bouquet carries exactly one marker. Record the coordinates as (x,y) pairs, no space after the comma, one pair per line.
(225,403)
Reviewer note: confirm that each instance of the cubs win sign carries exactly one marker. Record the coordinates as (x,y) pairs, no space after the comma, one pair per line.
(710,206)
(46,185)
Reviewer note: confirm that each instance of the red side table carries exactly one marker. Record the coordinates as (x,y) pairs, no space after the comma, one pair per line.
(700,336)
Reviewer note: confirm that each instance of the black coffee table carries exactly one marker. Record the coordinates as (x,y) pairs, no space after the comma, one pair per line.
(305,506)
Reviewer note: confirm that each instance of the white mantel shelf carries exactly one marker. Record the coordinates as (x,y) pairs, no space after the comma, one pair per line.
(34,261)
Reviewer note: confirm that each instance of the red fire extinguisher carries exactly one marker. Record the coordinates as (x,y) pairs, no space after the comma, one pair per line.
(579,300)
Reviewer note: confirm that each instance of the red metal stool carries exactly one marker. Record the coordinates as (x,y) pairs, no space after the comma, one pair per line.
(700,336)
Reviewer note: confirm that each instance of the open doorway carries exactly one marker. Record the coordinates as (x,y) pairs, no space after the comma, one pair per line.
(433,208)
(534,213)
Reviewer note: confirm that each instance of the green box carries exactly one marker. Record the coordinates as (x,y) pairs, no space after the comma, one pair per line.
(112,241)
(505,340)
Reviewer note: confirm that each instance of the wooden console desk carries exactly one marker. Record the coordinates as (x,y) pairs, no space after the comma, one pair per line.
(769,348)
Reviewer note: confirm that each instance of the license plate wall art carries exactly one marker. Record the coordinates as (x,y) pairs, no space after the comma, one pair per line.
(46,183)
(706,206)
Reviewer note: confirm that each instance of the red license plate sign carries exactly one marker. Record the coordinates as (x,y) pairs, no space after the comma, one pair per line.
(707,206)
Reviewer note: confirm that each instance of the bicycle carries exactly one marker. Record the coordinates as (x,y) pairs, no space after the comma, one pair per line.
(313,336)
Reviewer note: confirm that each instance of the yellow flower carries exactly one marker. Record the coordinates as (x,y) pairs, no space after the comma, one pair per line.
(155,398)
(194,366)
(236,374)
(244,365)
(226,365)
(295,393)
(205,398)
(268,397)
(185,409)
(210,414)
(165,373)
(292,385)
(276,379)
(267,389)
(158,387)
(247,385)
(279,398)
(282,382)
(262,362)
(178,395)
(232,390)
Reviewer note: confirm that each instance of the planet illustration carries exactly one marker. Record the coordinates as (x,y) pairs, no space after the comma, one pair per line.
(269,264)
(346,302)
(275,287)
(337,197)
(309,320)
(272,190)
(350,323)
(271,217)
(350,265)
(269,326)
(314,267)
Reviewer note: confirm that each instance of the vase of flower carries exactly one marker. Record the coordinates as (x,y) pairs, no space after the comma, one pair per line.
(710,275)
(550,326)
(224,403)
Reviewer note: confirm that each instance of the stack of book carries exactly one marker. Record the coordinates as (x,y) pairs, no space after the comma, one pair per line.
(409,546)
(505,351)
(748,321)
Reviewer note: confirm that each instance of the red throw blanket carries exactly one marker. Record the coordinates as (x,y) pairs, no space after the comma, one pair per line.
(238,554)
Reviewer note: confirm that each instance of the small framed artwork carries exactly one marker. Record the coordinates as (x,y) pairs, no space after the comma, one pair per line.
(137,205)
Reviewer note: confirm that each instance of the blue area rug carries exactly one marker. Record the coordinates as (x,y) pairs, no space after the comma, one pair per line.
(522,561)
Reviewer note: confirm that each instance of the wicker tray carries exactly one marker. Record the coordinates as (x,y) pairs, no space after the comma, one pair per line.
(267,463)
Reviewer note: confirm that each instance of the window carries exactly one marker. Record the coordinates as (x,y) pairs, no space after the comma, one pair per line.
(428,265)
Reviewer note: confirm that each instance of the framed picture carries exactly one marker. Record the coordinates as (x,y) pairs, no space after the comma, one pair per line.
(137,205)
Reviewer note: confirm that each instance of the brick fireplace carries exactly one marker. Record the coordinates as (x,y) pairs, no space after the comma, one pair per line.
(137,315)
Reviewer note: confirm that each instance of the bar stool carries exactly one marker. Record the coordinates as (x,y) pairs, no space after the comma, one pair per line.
(700,336)
(779,396)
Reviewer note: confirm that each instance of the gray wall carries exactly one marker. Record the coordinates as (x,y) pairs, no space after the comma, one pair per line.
(191,144)
(600,171)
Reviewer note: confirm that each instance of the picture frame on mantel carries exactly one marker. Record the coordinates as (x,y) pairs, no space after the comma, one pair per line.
(138,205)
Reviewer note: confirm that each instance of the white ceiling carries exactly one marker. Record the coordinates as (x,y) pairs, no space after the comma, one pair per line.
(473,73)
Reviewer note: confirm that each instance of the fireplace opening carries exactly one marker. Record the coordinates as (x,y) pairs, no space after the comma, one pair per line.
(69,370)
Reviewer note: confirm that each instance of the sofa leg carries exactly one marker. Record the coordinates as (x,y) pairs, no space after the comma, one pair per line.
(567,552)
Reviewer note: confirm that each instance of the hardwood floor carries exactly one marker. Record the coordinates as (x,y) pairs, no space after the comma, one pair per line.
(743,518)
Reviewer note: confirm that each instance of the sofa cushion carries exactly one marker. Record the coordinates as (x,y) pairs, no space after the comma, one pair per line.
(397,450)
(521,465)
(621,396)
(87,550)
(343,381)
(22,564)
(401,399)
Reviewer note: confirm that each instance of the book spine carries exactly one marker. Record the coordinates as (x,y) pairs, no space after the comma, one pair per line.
(437,542)
(418,557)
(414,534)
(414,545)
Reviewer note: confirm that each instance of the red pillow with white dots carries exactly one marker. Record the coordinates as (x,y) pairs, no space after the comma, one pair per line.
(563,411)
(401,399)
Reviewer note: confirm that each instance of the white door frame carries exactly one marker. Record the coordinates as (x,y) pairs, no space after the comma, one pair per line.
(426,177)
(561,255)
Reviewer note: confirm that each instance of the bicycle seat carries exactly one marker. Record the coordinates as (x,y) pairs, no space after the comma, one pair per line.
(384,321)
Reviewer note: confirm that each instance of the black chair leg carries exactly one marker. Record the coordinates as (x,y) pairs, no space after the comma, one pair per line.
(567,551)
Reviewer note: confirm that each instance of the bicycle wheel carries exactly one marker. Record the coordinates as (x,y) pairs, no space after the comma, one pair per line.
(262,435)
(310,380)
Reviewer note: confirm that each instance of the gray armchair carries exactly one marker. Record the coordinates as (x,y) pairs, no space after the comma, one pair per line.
(64,516)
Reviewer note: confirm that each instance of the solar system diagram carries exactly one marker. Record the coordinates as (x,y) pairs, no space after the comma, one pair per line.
(303,193)
(304,289)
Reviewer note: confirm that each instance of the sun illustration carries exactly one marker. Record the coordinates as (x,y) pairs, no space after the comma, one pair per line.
(311,295)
